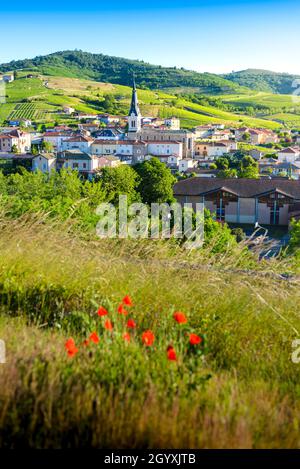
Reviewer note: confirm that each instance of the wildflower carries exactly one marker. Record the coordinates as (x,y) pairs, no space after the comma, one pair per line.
(195,339)
(102,311)
(148,338)
(72,352)
(131,324)
(127,300)
(180,317)
(108,325)
(71,347)
(122,310)
(86,342)
(70,344)
(171,354)
(126,336)
(94,337)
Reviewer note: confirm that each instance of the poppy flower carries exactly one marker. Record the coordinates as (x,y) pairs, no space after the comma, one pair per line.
(195,339)
(86,342)
(108,325)
(94,337)
(102,311)
(122,310)
(180,317)
(131,324)
(126,336)
(171,354)
(71,347)
(127,300)
(148,338)
(72,353)
(70,344)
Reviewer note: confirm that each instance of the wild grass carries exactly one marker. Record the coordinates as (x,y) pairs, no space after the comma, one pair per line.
(244,392)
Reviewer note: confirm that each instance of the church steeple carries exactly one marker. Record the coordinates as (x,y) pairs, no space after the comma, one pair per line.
(134,116)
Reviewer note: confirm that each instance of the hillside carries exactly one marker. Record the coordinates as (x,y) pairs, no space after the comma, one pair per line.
(42,98)
(263,80)
(99,67)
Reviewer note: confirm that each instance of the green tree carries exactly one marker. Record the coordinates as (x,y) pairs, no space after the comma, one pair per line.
(222,163)
(122,180)
(156,181)
(47,146)
(248,168)
(14,149)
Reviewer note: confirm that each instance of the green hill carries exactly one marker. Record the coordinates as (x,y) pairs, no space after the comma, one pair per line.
(42,98)
(264,80)
(99,67)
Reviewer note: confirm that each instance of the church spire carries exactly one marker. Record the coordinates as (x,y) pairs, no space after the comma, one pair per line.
(134,107)
(134,116)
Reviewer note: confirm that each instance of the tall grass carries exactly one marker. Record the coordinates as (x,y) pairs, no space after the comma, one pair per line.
(243,392)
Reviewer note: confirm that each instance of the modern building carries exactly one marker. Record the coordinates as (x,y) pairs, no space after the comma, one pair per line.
(265,201)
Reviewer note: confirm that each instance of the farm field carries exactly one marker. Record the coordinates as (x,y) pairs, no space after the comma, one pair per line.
(39,98)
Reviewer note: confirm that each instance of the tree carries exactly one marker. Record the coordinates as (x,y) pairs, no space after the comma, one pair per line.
(14,149)
(222,163)
(122,180)
(246,137)
(47,146)
(227,173)
(248,168)
(156,181)
(108,103)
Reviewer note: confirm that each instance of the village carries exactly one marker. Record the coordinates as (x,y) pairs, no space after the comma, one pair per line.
(210,153)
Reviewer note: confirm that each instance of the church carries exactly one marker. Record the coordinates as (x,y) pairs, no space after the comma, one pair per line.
(137,132)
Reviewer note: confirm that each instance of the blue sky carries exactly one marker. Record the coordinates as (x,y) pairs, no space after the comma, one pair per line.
(214,36)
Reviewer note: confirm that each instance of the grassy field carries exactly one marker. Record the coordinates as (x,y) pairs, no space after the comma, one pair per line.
(50,93)
(240,390)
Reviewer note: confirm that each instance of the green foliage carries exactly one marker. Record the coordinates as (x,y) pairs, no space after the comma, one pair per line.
(156,181)
(122,180)
(118,70)
(263,80)
(248,168)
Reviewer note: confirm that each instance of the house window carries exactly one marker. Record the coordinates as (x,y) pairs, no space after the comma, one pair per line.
(75,165)
(84,165)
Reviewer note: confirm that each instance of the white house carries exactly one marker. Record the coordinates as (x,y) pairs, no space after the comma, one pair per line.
(288,155)
(164,148)
(172,122)
(55,138)
(79,142)
(217,149)
(44,162)
(185,164)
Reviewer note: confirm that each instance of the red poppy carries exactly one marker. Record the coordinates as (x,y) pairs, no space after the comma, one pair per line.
(72,352)
(127,300)
(195,339)
(126,336)
(148,338)
(71,347)
(94,337)
(171,354)
(108,325)
(70,344)
(131,324)
(86,342)
(122,310)
(102,311)
(180,317)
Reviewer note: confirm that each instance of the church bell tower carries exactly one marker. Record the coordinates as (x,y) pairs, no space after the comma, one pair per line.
(134,116)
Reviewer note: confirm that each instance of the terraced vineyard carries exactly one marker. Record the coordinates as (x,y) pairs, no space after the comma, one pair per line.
(29,111)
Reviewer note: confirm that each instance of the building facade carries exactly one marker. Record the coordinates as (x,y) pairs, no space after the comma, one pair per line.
(248,201)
